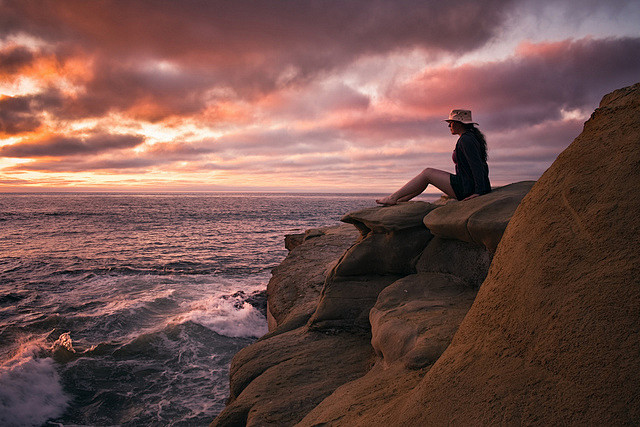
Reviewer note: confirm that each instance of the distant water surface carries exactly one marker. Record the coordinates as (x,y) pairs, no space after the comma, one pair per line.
(127,309)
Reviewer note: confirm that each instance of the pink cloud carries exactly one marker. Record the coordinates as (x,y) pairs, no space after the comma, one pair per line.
(63,146)
(536,84)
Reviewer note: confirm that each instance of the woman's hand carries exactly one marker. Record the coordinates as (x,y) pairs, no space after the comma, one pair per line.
(473,196)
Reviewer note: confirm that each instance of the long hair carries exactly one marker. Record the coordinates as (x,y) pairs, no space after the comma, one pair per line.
(480,137)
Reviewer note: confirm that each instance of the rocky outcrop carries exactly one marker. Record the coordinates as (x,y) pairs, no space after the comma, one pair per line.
(279,379)
(481,220)
(296,283)
(386,326)
(390,243)
(553,335)
(383,296)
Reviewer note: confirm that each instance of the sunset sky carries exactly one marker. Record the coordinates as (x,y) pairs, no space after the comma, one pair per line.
(341,96)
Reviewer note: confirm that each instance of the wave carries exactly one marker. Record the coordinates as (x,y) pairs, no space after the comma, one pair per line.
(230,315)
(30,389)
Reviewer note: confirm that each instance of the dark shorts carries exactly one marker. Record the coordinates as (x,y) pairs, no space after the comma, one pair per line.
(456,184)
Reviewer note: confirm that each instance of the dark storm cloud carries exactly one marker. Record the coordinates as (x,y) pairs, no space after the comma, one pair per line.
(61,146)
(142,89)
(14,58)
(249,45)
(19,114)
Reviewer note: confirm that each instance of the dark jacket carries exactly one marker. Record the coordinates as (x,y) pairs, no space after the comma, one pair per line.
(470,167)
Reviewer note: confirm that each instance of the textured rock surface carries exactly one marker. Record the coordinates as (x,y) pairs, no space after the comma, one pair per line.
(481,220)
(277,380)
(467,261)
(554,335)
(414,319)
(421,287)
(392,239)
(295,286)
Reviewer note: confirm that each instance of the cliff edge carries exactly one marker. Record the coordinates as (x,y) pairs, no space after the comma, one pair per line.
(521,306)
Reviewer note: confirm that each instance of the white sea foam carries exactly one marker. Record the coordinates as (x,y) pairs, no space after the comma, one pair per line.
(30,390)
(229,317)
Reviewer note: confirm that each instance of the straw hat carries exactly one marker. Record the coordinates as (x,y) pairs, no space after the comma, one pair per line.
(463,116)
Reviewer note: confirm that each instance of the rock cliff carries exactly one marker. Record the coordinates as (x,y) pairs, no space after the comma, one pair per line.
(521,306)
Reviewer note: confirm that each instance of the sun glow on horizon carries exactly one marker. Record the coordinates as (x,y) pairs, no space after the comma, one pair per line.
(86,106)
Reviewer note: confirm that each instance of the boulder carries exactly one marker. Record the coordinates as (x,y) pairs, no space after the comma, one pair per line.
(412,323)
(392,239)
(415,318)
(292,241)
(277,380)
(295,285)
(554,334)
(345,304)
(467,261)
(481,220)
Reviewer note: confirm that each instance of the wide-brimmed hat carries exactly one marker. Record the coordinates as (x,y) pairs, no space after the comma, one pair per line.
(463,116)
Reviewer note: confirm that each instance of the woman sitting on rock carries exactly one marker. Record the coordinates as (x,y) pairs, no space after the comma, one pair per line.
(470,158)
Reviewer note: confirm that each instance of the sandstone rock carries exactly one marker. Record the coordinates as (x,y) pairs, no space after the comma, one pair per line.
(553,337)
(392,238)
(468,261)
(383,219)
(481,220)
(414,319)
(345,304)
(277,380)
(359,402)
(412,323)
(292,241)
(295,285)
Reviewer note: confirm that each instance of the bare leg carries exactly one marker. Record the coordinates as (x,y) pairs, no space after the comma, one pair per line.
(418,184)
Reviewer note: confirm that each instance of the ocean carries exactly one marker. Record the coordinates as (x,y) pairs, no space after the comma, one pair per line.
(126,309)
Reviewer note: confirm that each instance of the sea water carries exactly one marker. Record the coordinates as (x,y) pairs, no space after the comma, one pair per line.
(127,308)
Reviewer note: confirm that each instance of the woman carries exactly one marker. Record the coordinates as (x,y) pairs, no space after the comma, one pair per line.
(470,158)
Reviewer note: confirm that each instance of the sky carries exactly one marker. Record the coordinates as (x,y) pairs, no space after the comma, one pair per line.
(302,96)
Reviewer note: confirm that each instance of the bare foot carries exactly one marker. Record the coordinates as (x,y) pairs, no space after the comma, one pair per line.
(386,201)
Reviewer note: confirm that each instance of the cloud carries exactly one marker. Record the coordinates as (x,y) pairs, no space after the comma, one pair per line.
(119,165)
(14,58)
(332,89)
(63,146)
(253,46)
(19,114)
(538,83)
(315,100)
